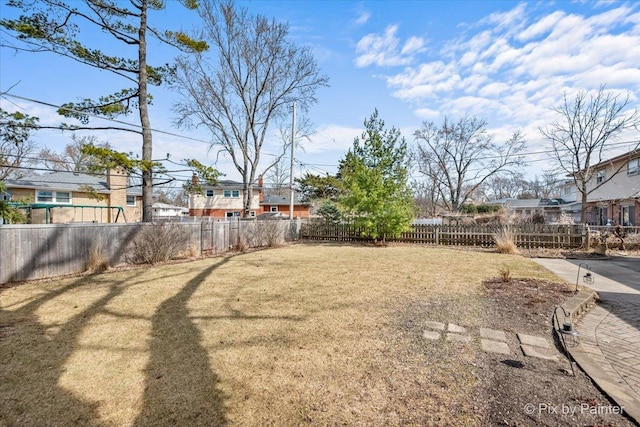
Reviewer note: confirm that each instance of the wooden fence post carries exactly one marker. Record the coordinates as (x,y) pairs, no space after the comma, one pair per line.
(586,236)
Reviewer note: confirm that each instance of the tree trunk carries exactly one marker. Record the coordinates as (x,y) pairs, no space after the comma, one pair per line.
(583,210)
(147,144)
(248,195)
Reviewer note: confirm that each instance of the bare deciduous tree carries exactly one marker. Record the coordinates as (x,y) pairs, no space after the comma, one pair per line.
(16,148)
(426,198)
(277,174)
(546,186)
(250,82)
(277,179)
(505,186)
(72,158)
(458,158)
(588,122)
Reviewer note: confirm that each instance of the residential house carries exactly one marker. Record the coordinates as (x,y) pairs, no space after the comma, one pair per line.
(552,210)
(281,205)
(66,197)
(165,211)
(618,197)
(224,201)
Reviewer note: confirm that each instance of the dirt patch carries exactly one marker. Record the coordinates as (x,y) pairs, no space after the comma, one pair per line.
(522,391)
(523,305)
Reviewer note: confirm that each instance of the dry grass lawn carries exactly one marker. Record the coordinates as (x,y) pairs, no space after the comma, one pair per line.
(307,334)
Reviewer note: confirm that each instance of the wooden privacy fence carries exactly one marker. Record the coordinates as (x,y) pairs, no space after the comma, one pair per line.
(528,236)
(35,251)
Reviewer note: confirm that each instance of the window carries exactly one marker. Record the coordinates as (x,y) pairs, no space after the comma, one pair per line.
(633,167)
(232,193)
(252,214)
(600,176)
(62,197)
(6,196)
(131,200)
(232,215)
(274,209)
(603,216)
(44,196)
(210,193)
(627,215)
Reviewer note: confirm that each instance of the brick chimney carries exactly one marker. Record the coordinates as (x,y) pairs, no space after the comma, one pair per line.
(117,183)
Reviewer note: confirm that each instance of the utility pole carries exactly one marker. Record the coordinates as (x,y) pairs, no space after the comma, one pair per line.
(293,144)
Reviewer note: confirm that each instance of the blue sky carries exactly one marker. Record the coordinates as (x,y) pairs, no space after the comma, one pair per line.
(506,62)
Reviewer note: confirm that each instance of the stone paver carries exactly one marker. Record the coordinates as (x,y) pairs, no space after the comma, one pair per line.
(431,335)
(533,341)
(538,352)
(458,338)
(439,326)
(618,337)
(495,346)
(493,334)
(456,329)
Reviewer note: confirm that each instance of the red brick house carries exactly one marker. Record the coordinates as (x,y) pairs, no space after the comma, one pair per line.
(224,201)
(282,205)
(618,198)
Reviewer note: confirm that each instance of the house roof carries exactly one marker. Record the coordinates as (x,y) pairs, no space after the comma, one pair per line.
(279,200)
(528,203)
(167,206)
(523,203)
(228,184)
(69,181)
(622,157)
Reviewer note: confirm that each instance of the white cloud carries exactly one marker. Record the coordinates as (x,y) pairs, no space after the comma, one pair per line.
(363,17)
(513,68)
(413,45)
(427,114)
(493,89)
(507,19)
(384,49)
(332,137)
(541,27)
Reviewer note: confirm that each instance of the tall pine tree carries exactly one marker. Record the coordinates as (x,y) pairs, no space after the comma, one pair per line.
(56,26)
(374,171)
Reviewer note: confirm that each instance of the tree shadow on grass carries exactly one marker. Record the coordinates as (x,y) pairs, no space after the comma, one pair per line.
(32,362)
(181,389)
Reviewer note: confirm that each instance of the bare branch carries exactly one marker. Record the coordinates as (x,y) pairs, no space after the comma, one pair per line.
(250,82)
(587,124)
(459,157)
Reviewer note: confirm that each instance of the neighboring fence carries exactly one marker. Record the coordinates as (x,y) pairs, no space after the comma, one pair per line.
(628,230)
(35,251)
(525,236)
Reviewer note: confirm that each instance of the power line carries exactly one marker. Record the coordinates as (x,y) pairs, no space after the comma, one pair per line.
(609,147)
(108,119)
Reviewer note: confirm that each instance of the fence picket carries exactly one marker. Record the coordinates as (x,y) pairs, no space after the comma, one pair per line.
(528,236)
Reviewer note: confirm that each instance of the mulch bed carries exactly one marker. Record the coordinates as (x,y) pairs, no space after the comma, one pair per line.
(527,391)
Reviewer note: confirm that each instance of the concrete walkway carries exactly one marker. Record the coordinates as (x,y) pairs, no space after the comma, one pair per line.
(609,350)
